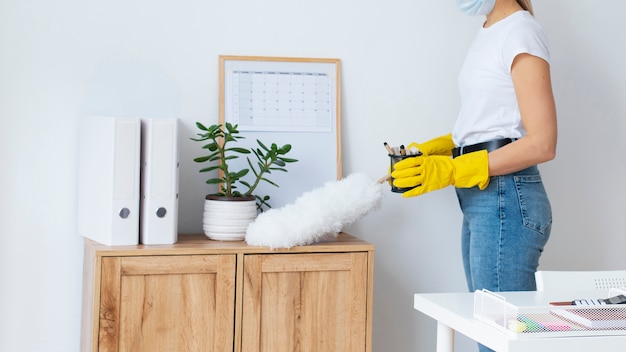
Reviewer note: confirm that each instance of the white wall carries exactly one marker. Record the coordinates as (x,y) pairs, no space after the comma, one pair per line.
(61,60)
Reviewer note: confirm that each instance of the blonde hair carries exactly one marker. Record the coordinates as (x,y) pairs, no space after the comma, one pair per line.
(526,5)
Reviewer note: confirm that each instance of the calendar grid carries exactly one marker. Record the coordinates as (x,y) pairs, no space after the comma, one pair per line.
(279,100)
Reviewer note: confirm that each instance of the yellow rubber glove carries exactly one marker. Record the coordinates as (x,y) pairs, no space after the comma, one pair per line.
(430,173)
(442,145)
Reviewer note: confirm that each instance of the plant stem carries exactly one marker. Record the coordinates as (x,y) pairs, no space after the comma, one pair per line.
(262,171)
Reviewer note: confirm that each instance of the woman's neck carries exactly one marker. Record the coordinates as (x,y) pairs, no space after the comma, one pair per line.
(502,10)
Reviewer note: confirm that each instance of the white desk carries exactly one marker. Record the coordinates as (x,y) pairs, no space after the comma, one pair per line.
(455,312)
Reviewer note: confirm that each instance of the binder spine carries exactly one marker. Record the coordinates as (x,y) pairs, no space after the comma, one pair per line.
(109,157)
(159,181)
(125,210)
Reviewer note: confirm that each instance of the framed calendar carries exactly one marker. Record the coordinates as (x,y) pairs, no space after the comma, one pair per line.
(286,101)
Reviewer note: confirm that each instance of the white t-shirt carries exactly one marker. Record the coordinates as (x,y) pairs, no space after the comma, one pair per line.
(489,107)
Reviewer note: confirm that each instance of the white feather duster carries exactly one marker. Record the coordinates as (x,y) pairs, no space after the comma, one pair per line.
(316,214)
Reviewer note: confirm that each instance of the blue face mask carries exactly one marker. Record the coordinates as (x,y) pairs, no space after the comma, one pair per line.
(476,7)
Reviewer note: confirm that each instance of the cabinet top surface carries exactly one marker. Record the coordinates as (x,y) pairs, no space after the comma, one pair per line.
(200,244)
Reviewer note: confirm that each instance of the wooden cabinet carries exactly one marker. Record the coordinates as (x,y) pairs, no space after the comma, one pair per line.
(202,295)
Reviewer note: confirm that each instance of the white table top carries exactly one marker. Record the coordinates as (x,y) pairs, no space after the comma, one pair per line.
(456,311)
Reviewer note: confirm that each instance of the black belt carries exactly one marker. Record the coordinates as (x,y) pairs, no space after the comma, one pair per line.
(489,146)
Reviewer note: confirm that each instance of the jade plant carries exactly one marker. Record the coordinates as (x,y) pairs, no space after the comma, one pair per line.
(221,144)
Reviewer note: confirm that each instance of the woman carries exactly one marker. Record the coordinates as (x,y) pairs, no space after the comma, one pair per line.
(506,126)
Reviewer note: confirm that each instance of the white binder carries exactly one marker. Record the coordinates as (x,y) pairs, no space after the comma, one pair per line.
(159,181)
(108,184)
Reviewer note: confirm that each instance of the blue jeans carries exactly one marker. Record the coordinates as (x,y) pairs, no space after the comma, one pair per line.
(505,228)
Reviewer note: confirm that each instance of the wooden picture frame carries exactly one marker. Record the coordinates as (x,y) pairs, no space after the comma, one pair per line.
(286,100)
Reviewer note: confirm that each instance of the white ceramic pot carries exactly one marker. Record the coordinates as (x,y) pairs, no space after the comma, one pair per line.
(227,218)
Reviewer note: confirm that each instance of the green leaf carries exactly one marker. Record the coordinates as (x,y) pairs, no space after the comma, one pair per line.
(259,153)
(268,181)
(201,126)
(239,150)
(279,162)
(288,160)
(210,168)
(230,127)
(202,139)
(201,159)
(240,174)
(212,154)
(215,129)
(262,145)
(212,147)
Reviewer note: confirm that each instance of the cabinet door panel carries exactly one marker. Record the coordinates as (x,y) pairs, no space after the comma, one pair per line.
(305,302)
(167,303)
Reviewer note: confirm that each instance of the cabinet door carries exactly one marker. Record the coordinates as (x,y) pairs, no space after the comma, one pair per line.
(305,302)
(167,303)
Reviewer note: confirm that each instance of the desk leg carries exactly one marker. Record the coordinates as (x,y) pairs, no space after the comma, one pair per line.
(445,338)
